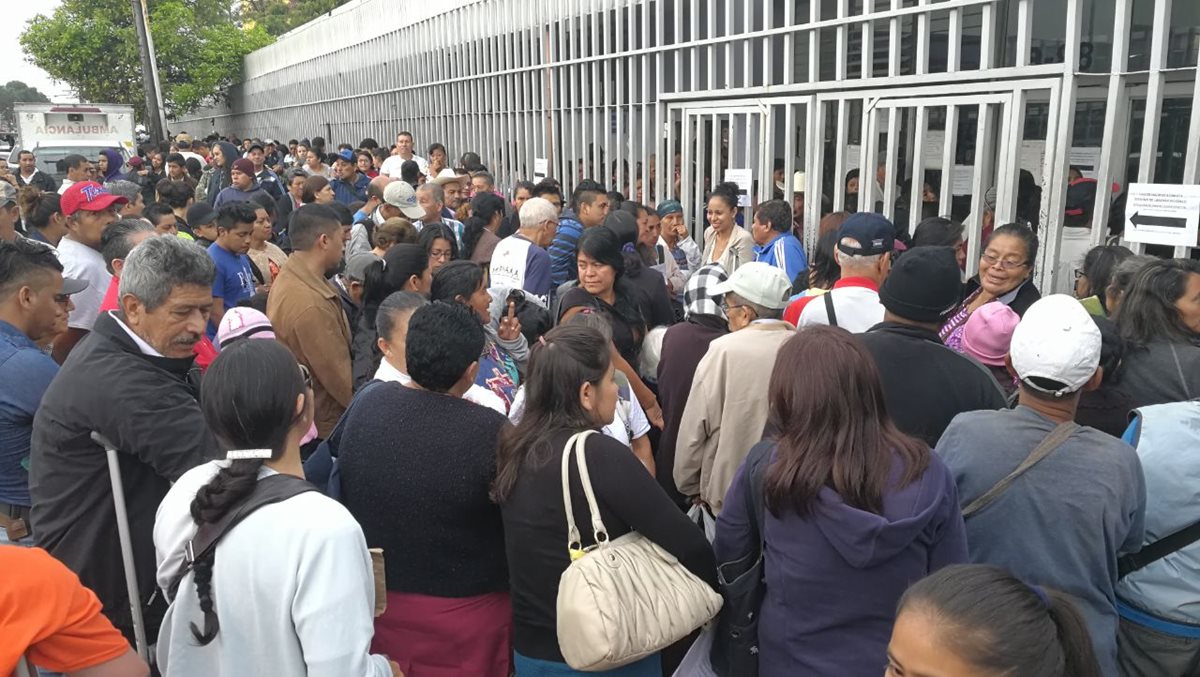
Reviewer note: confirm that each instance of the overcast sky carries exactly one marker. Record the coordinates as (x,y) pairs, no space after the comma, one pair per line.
(17,12)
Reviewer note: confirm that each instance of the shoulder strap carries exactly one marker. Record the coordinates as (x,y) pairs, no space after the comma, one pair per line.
(1159,549)
(1041,451)
(268,490)
(756,471)
(575,445)
(829,308)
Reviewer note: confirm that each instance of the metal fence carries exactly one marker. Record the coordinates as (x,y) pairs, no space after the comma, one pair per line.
(941,102)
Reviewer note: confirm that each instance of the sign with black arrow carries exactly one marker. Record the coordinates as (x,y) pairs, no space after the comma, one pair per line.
(1160,213)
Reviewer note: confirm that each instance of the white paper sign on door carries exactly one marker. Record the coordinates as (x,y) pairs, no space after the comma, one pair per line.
(744,178)
(1159,213)
(541,168)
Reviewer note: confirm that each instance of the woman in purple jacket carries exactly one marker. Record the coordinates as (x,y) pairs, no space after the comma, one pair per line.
(855,512)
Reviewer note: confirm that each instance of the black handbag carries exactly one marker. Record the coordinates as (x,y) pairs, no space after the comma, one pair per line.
(743,586)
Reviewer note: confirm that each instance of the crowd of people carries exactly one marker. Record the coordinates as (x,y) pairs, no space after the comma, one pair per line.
(329,398)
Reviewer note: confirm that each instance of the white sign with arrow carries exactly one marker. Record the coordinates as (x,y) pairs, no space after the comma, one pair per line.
(1162,213)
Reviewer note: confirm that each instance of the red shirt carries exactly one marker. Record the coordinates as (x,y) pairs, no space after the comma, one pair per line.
(792,314)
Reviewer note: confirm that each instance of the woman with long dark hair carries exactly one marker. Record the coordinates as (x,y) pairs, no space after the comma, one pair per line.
(571,388)
(440,245)
(224,153)
(854,511)
(506,350)
(1159,318)
(405,267)
(974,619)
(603,288)
(479,230)
(1094,274)
(288,590)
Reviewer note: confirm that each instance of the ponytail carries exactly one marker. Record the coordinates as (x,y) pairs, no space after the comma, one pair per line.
(999,624)
(37,206)
(230,486)
(484,207)
(242,413)
(1078,654)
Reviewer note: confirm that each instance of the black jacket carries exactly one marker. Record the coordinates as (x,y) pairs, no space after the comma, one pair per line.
(147,407)
(1026,296)
(43,181)
(926,384)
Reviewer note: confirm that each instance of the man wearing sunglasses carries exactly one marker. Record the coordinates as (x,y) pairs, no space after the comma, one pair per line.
(35,300)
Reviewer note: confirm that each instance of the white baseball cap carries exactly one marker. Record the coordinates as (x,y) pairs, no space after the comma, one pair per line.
(1056,340)
(759,283)
(401,194)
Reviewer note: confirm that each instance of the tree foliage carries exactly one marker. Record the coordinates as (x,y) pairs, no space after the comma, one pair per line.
(92,46)
(280,16)
(17,92)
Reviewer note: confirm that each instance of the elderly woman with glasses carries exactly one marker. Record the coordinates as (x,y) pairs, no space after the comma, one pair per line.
(1005,275)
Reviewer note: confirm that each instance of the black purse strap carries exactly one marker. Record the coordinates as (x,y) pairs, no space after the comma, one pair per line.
(829,311)
(268,490)
(1159,549)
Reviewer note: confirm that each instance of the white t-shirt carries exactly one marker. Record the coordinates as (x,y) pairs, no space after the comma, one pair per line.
(476,393)
(391,166)
(62,187)
(84,263)
(292,586)
(857,309)
(629,421)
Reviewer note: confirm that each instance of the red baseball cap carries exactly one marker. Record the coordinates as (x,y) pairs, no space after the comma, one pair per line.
(90,197)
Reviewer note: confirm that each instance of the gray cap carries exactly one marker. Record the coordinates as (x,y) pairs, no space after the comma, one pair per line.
(8,194)
(356,265)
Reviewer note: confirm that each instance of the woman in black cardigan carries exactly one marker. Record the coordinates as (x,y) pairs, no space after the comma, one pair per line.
(571,389)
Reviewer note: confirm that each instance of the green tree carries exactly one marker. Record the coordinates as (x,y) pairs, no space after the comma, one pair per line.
(17,92)
(92,46)
(281,16)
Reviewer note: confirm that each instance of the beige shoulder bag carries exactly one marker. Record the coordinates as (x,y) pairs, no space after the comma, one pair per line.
(622,600)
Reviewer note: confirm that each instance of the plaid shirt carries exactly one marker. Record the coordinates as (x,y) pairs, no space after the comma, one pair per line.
(696,297)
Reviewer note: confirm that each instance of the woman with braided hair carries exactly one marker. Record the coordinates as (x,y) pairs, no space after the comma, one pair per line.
(288,589)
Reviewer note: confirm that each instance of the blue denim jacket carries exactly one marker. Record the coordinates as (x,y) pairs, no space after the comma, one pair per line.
(25,373)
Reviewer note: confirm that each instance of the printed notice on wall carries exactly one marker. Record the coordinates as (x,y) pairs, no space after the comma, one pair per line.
(1161,213)
(541,168)
(744,178)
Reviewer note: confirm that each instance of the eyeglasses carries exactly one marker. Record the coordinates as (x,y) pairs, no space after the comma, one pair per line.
(726,306)
(440,254)
(990,260)
(307,376)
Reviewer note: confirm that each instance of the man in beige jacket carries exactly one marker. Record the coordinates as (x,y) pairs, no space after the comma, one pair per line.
(727,407)
(307,314)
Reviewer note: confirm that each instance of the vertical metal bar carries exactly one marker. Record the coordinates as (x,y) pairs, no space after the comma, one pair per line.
(714,176)
(1114,143)
(712,50)
(890,174)
(987,36)
(954,41)
(839,179)
(867,67)
(866,153)
(814,178)
(841,41)
(1013,120)
(949,156)
(685,170)
(923,30)
(979,181)
(1024,46)
(1064,133)
(1154,86)
(814,43)
(894,42)
(917,194)
(1191,163)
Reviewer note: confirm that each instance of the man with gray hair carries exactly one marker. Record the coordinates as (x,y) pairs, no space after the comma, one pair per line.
(130,191)
(431,198)
(131,381)
(115,244)
(520,260)
(864,252)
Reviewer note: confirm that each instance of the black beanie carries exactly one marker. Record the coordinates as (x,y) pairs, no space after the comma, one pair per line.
(925,285)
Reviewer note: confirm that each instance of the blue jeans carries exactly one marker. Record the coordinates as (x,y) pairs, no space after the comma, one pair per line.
(650,666)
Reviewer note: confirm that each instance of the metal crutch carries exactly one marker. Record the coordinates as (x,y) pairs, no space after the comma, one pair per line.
(118,489)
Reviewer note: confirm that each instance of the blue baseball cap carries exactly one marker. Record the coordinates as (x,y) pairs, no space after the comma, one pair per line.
(347,155)
(669,207)
(866,234)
